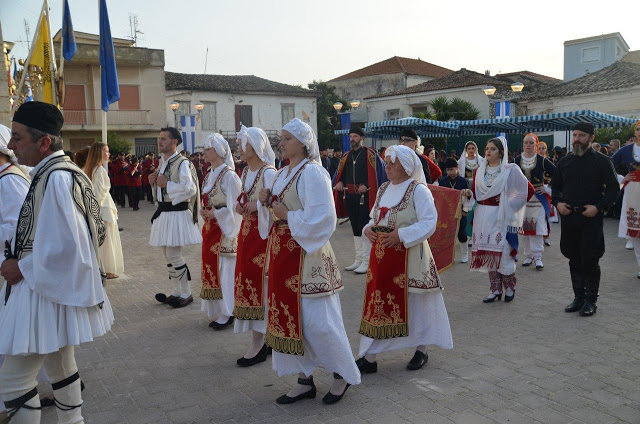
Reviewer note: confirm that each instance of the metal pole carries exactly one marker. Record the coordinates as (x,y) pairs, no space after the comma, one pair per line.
(104,126)
(52,60)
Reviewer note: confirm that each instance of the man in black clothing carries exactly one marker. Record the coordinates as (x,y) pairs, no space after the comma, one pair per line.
(409,138)
(584,185)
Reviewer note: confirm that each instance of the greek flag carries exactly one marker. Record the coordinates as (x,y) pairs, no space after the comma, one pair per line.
(503,110)
(188,124)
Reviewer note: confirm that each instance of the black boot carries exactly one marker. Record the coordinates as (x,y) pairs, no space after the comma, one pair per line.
(589,308)
(575,306)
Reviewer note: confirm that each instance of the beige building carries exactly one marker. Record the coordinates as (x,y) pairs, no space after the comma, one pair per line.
(5,105)
(139,113)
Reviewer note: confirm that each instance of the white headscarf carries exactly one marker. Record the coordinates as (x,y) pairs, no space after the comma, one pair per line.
(5,137)
(511,185)
(305,135)
(218,142)
(409,161)
(260,143)
(462,162)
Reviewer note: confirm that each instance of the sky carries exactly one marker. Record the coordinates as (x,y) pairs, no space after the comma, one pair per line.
(297,42)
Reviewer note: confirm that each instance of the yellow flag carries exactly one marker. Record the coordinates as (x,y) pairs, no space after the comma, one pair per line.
(42,58)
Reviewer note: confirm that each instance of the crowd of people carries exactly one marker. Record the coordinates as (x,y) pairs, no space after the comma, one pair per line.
(264,224)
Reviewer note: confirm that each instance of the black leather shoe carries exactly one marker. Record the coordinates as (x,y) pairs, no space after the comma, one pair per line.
(310,394)
(366,367)
(260,357)
(163,298)
(588,309)
(418,361)
(180,302)
(218,327)
(330,398)
(508,299)
(575,306)
(491,299)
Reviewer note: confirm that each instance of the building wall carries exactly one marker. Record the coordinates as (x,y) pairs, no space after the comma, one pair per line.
(408,105)
(266,110)
(359,88)
(417,79)
(591,56)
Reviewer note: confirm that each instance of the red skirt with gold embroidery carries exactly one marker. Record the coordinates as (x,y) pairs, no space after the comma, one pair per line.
(211,239)
(284,327)
(385,309)
(249,276)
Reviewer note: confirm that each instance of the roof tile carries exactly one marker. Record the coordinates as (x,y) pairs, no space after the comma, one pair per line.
(230,84)
(398,64)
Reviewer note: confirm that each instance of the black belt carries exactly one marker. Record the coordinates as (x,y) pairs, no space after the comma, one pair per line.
(169,207)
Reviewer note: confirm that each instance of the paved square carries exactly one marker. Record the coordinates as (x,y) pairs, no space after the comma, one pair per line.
(526,361)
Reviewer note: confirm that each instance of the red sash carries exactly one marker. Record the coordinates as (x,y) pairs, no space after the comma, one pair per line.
(284,329)
(250,264)
(211,238)
(385,309)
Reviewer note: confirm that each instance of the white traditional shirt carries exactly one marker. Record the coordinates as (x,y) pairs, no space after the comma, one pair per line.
(13,190)
(268,176)
(228,219)
(425,209)
(312,226)
(63,265)
(178,192)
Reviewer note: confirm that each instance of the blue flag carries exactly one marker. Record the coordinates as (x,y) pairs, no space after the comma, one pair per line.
(68,39)
(109,77)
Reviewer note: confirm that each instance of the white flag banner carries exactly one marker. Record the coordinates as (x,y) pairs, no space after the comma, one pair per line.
(188,124)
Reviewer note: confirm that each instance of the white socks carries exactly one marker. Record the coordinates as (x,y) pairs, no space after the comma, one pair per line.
(508,292)
(223,319)
(256,345)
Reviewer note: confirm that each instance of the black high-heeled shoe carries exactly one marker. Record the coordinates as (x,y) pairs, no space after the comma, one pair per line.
(508,299)
(330,398)
(310,394)
(491,299)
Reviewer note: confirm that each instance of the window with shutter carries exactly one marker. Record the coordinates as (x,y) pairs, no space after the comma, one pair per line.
(209,116)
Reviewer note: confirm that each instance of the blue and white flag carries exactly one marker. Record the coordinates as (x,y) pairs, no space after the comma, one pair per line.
(188,124)
(503,110)
(109,77)
(68,39)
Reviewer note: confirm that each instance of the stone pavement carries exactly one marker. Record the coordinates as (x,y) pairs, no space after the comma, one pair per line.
(526,361)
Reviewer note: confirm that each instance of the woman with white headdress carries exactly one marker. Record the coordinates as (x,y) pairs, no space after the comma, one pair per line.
(14,184)
(304,324)
(222,222)
(250,288)
(403,305)
(501,191)
(469,161)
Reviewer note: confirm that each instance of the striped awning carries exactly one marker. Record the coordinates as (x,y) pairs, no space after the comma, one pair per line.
(426,128)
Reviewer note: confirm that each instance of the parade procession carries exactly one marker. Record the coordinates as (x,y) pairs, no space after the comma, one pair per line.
(195,247)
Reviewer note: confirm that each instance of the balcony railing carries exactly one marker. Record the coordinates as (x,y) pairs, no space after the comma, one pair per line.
(114,117)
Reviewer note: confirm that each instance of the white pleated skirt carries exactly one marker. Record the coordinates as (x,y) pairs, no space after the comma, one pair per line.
(222,306)
(31,323)
(428,325)
(325,342)
(111,249)
(259,325)
(174,229)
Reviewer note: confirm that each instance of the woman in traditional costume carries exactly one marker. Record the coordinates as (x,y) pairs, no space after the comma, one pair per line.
(220,191)
(469,161)
(250,288)
(304,327)
(501,191)
(111,249)
(629,227)
(403,304)
(537,212)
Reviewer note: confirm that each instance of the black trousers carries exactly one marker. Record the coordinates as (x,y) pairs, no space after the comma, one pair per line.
(582,242)
(462,230)
(119,192)
(358,214)
(146,193)
(135,193)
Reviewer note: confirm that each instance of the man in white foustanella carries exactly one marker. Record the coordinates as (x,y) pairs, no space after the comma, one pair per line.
(174,224)
(54,298)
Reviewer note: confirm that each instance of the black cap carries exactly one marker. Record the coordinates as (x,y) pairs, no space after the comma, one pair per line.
(357,130)
(408,132)
(41,116)
(584,127)
(450,163)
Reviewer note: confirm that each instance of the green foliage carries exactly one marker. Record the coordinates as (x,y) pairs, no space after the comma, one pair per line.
(605,135)
(456,108)
(328,119)
(117,143)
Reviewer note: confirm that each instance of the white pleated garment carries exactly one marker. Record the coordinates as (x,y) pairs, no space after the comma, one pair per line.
(259,325)
(222,306)
(111,249)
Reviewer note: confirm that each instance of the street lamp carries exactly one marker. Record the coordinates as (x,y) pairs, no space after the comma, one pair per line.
(489,91)
(174,107)
(517,87)
(355,104)
(199,106)
(337,106)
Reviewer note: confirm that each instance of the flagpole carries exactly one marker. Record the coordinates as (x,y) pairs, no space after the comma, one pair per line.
(104,127)
(52,60)
(25,69)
